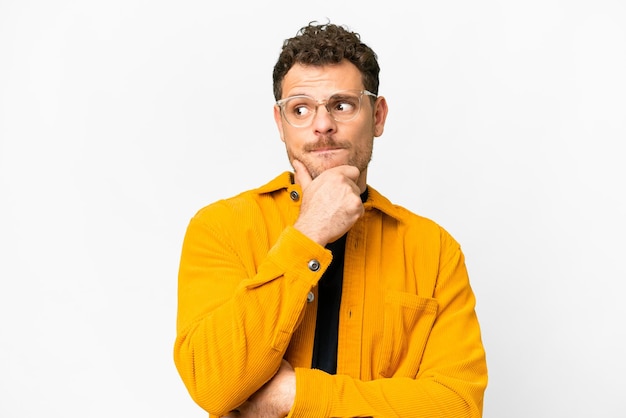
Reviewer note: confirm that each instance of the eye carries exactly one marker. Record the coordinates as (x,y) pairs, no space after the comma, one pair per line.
(300,111)
(344,104)
(300,108)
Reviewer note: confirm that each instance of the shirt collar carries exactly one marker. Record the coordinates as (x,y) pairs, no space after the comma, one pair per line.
(375,200)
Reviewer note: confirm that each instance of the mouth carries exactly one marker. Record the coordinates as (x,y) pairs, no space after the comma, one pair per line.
(325,145)
(326,153)
(326,149)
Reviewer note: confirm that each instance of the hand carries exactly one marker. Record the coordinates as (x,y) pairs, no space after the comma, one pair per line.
(274,399)
(331,203)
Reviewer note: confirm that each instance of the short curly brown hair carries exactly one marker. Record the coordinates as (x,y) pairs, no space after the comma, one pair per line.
(324,44)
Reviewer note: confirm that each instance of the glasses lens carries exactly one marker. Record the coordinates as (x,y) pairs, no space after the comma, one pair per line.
(344,106)
(299,110)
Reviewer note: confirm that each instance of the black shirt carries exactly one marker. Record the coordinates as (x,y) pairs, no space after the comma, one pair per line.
(328,303)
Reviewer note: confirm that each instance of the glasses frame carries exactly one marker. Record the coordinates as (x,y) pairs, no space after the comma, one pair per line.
(322,102)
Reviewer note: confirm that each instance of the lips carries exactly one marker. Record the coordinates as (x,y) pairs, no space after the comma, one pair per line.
(326,149)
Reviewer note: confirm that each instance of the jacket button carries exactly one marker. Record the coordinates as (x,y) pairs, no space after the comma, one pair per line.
(314,265)
(294,195)
(310,297)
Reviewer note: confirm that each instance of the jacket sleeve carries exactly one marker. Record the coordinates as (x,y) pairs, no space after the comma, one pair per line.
(234,320)
(452,375)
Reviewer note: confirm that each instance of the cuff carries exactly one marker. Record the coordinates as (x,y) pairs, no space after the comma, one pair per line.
(314,394)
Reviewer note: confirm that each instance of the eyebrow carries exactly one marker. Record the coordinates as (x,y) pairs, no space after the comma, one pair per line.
(342,94)
(338,93)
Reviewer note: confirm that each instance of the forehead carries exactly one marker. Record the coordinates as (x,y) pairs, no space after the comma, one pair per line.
(320,81)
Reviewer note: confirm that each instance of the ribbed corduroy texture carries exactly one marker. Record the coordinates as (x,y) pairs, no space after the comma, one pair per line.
(409,339)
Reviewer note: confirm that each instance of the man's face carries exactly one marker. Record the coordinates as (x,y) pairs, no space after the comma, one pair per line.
(327,143)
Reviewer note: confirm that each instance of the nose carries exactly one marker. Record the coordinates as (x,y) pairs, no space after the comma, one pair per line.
(323,121)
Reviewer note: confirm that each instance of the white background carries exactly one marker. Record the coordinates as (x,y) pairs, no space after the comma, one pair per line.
(120,119)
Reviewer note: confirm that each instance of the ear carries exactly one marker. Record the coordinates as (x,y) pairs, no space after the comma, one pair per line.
(380,115)
(278,118)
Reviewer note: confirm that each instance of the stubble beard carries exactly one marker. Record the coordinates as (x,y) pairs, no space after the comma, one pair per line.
(359,159)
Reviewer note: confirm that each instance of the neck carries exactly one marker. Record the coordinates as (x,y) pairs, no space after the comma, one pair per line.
(361,182)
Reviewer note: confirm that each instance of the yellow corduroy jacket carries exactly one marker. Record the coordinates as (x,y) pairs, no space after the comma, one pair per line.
(409,339)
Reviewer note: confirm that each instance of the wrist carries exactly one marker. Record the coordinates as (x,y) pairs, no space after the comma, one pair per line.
(310,232)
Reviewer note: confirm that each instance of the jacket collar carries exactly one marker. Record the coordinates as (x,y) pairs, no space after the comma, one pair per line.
(375,200)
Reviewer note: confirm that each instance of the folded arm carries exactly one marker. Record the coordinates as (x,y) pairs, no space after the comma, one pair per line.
(235,321)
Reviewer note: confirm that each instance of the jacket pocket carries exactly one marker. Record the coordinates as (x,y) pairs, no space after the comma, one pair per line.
(408,320)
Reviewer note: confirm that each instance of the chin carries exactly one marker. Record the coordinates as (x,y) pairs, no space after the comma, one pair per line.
(317,169)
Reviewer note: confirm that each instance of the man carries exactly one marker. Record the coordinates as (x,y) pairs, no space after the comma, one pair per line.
(313,295)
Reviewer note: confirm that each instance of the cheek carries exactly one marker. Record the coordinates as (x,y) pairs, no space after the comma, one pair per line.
(292,137)
(292,145)
(365,134)
(366,127)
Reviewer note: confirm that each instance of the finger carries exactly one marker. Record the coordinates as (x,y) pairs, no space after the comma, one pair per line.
(302,175)
(350,172)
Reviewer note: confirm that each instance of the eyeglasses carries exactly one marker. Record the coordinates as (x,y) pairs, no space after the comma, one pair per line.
(299,111)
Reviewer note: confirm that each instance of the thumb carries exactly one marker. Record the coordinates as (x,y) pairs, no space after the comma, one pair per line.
(302,175)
